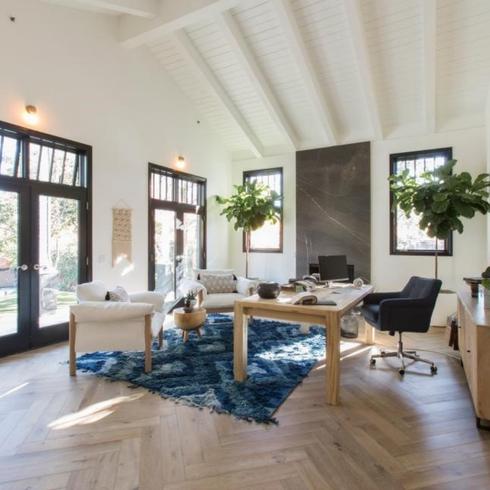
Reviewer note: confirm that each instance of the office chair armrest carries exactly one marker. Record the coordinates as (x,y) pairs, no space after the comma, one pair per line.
(376,298)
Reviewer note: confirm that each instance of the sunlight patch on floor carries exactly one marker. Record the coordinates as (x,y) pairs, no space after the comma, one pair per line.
(93,413)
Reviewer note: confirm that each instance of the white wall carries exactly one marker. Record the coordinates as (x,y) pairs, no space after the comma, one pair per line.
(88,88)
(388,271)
(272,266)
(391,271)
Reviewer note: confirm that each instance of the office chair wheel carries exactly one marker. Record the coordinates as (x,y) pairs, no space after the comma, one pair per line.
(401,371)
(372,362)
(433,369)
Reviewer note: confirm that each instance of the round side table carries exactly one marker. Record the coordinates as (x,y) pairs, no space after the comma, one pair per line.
(188,321)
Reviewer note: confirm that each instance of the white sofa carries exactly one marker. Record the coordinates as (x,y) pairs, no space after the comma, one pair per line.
(100,325)
(218,302)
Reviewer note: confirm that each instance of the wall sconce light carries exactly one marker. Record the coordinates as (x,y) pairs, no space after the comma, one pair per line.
(30,115)
(180,162)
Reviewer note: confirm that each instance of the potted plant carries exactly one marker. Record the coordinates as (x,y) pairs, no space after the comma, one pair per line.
(189,301)
(441,198)
(250,206)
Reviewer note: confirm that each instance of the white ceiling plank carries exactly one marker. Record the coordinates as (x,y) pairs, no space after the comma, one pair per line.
(430,35)
(353,11)
(257,78)
(307,70)
(174,15)
(194,58)
(139,8)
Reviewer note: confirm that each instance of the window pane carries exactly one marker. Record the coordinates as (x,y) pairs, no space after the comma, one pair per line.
(58,258)
(9,245)
(408,235)
(10,156)
(268,237)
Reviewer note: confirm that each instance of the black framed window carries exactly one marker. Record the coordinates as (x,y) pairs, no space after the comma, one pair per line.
(268,238)
(406,238)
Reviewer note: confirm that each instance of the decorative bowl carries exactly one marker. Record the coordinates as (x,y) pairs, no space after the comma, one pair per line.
(268,290)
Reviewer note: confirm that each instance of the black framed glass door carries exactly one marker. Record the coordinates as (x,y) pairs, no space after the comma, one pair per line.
(44,237)
(177,228)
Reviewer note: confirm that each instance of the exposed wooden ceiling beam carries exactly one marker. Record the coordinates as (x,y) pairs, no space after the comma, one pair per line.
(194,58)
(139,8)
(306,67)
(260,83)
(359,41)
(173,15)
(429,60)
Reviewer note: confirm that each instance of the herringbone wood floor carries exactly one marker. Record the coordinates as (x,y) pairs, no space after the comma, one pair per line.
(85,432)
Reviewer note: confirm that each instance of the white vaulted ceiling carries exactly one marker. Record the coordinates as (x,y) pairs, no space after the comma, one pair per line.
(277,75)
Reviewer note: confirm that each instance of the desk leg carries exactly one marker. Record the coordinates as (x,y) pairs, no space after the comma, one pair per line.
(369,333)
(240,343)
(333,358)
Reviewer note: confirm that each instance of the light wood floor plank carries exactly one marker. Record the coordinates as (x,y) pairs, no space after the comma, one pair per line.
(391,433)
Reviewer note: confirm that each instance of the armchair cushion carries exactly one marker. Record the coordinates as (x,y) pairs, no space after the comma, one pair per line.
(151,297)
(118,294)
(246,286)
(95,311)
(91,291)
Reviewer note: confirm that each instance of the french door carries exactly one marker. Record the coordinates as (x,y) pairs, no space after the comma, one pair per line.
(44,241)
(177,227)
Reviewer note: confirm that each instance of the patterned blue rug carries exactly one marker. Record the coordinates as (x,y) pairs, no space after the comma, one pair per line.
(200,372)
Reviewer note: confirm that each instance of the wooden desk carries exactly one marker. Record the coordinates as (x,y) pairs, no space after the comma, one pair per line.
(279,309)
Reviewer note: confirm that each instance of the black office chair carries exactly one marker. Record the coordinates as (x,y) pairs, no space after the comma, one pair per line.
(410,310)
(335,268)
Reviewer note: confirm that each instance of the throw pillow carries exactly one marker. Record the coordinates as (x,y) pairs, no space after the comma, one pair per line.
(117,294)
(218,283)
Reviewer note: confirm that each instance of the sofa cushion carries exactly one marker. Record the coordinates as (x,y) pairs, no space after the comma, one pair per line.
(224,300)
(218,283)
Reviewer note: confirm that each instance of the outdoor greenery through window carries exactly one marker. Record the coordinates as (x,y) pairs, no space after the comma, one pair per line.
(268,238)
(406,236)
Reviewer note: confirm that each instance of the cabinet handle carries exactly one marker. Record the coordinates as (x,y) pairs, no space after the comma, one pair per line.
(468,351)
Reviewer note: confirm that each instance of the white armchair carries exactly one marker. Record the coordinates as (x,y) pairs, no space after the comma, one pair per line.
(100,325)
(218,302)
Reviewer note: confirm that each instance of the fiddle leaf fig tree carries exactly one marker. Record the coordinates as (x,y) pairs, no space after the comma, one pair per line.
(250,206)
(441,198)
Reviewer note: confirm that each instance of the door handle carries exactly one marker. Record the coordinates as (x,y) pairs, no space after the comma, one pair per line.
(23,267)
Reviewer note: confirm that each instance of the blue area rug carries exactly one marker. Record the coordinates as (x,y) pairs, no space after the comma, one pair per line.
(200,372)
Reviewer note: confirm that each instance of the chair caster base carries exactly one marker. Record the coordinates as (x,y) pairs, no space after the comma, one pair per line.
(433,369)
(372,362)
(401,372)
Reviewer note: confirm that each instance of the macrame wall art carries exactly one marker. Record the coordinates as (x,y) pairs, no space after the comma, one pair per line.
(121,235)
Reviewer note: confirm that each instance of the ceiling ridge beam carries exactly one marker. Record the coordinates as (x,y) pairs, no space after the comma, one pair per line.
(260,83)
(194,58)
(139,8)
(359,41)
(430,60)
(306,67)
(173,15)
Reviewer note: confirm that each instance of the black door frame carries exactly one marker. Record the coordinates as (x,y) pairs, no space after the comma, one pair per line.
(29,335)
